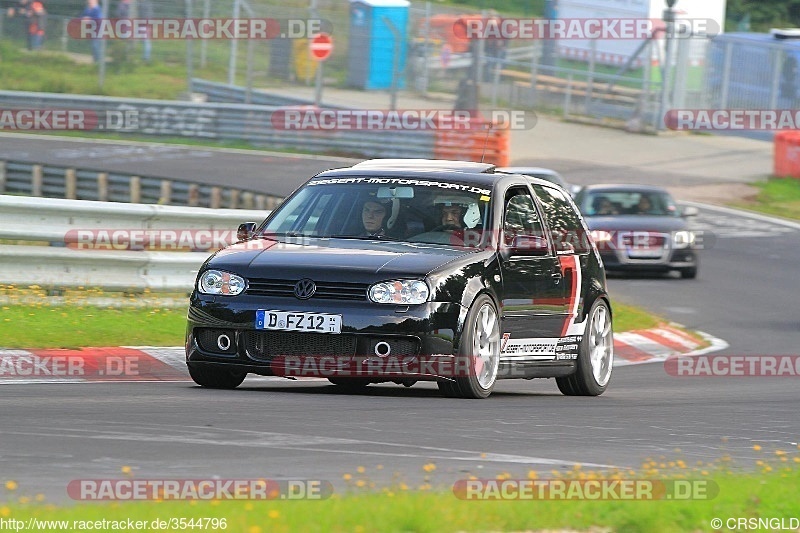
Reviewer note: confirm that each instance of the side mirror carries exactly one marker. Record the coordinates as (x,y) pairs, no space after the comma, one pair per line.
(246,231)
(529,245)
(690,211)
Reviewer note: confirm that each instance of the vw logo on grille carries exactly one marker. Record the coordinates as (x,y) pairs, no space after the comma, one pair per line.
(305,289)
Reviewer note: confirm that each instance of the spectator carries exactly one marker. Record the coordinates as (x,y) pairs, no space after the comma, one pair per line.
(124,9)
(23,13)
(124,12)
(145,8)
(93,11)
(37,20)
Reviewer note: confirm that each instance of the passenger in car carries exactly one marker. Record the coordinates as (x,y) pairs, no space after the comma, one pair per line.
(373,216)
(603,207)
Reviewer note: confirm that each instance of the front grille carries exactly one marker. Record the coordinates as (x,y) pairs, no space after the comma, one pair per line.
(284,288)
(650,240)
(269,344)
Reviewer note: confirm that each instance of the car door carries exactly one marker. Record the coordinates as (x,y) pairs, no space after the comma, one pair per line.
(533,288)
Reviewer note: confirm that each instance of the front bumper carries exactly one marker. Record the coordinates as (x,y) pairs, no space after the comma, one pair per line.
(422,339)
(663,260)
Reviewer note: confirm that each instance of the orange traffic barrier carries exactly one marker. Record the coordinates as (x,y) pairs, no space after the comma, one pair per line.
(787,154)
(479,143)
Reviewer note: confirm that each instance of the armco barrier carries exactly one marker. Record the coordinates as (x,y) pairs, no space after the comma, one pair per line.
(229,122)
(18,177)
(57,265)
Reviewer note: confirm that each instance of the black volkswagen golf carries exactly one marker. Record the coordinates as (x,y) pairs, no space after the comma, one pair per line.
(404,271)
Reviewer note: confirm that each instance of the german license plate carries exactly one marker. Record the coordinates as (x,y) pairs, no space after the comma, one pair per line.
(296,321)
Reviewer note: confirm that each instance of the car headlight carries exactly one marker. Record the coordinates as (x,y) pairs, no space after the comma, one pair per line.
(601,236)
(682,239)
(217,282)
(399,292)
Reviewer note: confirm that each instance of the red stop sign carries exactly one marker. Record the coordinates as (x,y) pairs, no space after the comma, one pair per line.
(321,47)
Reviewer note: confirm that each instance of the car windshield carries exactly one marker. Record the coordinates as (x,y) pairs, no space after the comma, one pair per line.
(636,203)
(410,210)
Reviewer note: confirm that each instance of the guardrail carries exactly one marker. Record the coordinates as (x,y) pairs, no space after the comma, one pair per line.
(106,256)
(225,122)
(51,181)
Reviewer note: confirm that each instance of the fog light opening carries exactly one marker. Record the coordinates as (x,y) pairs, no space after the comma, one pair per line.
(382,349)
(224,342)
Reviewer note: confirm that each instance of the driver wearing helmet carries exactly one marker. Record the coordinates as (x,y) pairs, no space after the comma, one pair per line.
(457,213)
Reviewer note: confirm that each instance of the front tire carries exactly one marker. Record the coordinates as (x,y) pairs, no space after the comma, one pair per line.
(478,353)
(689,273)
(216,378)
(595,356)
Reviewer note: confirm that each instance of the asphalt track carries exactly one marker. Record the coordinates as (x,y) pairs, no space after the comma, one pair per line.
(274,173)
(746,293)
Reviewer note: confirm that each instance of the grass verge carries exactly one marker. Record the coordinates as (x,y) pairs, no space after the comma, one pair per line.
(778,196)
(39,326)
(139,320)
(766,495)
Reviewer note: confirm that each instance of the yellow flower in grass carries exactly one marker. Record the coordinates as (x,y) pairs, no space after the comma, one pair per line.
(254,529)
(430,467)
(11,485)
(347,477)
(361,469)
(756,447)
(127,470)
(5,512)
(532,474)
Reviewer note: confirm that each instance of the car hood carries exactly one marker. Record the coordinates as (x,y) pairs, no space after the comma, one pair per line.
(346,260)
(637,223)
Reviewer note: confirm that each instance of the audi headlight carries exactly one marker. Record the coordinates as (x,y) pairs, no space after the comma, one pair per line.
(217,282)
(600,235)
(399,292)
(682,239)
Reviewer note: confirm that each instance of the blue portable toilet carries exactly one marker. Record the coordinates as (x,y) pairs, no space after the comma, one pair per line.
(371,47)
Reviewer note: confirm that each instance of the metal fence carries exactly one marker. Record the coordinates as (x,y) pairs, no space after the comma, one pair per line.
(518,77)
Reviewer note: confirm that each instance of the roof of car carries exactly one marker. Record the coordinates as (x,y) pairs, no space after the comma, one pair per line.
(623,187)
(425,164)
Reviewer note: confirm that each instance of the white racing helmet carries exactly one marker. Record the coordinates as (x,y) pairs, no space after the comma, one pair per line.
(472,213)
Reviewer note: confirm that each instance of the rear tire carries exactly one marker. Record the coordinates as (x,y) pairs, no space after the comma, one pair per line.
(216,378)
(689,273)
(478,353)
(595,356)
